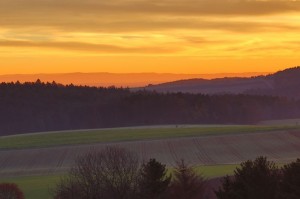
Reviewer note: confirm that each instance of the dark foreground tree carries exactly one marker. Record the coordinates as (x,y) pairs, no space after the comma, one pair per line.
(258,179)
(290,183)
(153,180)
(187,184)
(10,191)
(108,174)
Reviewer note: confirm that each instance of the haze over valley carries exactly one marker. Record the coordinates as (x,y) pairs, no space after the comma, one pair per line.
(106,79)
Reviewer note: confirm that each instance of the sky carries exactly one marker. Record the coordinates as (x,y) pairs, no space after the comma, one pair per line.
(137,36)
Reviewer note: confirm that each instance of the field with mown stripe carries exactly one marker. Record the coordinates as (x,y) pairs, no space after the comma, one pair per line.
(50,139)
(30,158)
(52,153)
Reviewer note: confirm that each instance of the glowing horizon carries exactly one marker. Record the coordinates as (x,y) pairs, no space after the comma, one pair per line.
(116,79)
(141,36)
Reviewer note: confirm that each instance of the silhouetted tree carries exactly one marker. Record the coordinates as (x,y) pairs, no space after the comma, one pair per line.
(153,180)
(187,184)
(290,183)
(258,179)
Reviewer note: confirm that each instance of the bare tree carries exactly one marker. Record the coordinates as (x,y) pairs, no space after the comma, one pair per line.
(111,173)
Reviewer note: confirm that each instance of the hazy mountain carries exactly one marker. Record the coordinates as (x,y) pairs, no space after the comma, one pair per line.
(114,79)
(282,83)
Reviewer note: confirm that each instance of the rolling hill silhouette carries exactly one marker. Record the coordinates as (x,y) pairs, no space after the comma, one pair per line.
(283,83)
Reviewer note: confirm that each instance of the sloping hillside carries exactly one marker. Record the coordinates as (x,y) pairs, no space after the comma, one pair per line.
(283,83)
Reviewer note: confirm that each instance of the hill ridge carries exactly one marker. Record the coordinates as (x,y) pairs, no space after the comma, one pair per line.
(283,83)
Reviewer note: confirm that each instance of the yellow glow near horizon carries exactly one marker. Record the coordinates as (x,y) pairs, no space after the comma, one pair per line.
(125,36)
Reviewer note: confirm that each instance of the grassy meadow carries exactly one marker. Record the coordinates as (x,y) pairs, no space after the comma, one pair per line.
(51,139)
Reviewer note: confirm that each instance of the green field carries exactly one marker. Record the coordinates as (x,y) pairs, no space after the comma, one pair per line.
(216,170)
(51,139)
(39,187)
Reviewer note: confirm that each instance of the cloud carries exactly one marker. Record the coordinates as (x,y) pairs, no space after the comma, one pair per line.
(146,25)
(143,26)
(78,46)
(135,15)
(163,7)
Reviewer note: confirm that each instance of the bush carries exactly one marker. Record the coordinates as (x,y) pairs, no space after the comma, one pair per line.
(10,191)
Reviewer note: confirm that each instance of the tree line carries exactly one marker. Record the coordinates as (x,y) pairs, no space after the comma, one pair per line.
(115,173)
(38,106)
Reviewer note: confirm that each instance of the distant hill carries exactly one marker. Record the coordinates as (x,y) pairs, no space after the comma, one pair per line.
(283,83)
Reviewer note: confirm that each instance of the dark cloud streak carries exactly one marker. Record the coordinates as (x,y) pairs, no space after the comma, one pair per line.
(144,7)
(79,46)
(144,24)
(141,15)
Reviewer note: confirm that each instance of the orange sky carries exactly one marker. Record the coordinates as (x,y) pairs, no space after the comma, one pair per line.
(163,36)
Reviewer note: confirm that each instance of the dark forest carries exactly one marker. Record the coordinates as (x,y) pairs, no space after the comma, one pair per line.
(38,107)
